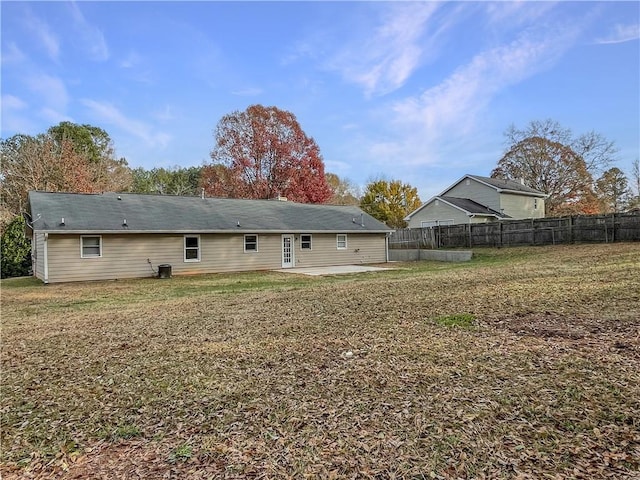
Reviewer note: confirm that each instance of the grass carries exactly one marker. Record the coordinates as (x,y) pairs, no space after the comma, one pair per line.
(274,375)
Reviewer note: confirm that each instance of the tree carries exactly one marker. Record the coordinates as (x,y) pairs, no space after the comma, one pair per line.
(613,190)
(266,154)
(634,201)
(15,249)
(390,201)
(550,159)
(344,192)
(59,162)
(172,181)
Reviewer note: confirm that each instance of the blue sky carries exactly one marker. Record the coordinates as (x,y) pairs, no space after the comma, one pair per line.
(420,92)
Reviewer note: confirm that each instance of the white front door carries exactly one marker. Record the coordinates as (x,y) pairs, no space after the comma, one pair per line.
(287,251)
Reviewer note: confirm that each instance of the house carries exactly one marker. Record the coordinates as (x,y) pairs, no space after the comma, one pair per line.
(79,237)
(476,199)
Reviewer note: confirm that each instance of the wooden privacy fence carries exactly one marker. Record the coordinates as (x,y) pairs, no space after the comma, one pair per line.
(618,227)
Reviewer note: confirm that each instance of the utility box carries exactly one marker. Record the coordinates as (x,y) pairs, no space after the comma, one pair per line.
(164,271)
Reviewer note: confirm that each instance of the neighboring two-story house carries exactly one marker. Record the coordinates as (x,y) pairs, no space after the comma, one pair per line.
(475,199)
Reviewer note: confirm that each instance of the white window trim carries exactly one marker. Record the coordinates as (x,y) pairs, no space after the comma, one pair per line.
(184,250)
(82,237)
(338,241)
(245,243)
(310,241)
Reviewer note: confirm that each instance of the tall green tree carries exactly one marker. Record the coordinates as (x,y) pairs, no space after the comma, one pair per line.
(390,201)
(171,181)
(550,158)
(15,249)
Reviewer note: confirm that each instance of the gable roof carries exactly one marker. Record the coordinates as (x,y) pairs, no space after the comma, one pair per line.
(472,207)
(468,206)
(107,212)
(502,185)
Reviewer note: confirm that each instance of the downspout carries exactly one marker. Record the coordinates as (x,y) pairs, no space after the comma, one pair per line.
(46,258)
(386,247)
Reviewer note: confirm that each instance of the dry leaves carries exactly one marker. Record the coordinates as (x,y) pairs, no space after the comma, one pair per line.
(347,377)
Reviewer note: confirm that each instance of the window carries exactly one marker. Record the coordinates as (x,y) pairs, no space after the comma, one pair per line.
(192,248)
(341,241)
(535,203)
(90,247)
(305,242)
(250,243)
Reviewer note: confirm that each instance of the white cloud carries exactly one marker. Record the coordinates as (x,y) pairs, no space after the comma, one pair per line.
(52,91)
(449,112)
(248,92)
(12,102)
(621,34)
(43,33)
(108,113)
(384,59)
(91,38)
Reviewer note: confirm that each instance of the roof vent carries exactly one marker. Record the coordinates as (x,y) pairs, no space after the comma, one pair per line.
(119,197)
(124,223)
(62,222)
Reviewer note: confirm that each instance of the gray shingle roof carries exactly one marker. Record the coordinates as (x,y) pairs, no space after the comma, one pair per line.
(106,212)
(473,207)
(507,185)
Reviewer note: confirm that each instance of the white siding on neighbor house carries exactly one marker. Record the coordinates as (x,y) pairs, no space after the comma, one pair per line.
(521,206)
(125,256)
(476,191)
(441,211)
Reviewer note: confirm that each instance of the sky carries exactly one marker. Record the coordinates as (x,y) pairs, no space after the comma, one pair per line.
(420,92)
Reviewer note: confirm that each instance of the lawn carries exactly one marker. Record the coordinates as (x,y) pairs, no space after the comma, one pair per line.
(523,363)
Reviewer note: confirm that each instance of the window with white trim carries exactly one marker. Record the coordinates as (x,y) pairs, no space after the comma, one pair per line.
(90,246)
(192,248)
(341,241)
(251,243)
(305,242)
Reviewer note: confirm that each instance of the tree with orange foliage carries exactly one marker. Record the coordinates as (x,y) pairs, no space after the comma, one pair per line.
(547,157)
(263,153)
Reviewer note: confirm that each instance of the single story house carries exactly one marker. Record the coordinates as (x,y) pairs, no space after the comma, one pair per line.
(78,237)
(476,199)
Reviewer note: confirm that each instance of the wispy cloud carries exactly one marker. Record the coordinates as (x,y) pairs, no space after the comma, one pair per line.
(451,109)
(248,92)
(12,102)
(382,61)
(51,91)
(42,32)
(91,38)
(108,113)
(622,33)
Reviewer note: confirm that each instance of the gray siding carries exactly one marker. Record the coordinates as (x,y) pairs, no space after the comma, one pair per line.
(521,206)
(477,192)
(125,256)
(441,211)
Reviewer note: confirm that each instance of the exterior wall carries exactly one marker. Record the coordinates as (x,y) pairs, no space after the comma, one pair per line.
(433,212)
(37,255)
(361,248)
(521,206)
(475,191)
(125,256)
